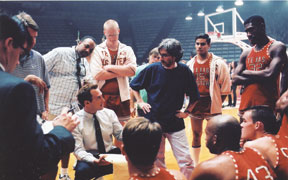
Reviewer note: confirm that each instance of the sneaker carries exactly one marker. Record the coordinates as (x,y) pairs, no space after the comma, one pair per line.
(64,177)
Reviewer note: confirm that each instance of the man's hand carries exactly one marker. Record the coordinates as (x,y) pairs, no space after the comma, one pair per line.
(181,114)
(282,102)
(145,107)
(66,120)
(101,161)
(45,115)
(37,82)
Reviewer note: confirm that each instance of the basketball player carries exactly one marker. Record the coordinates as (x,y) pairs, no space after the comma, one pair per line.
(260,66)
(223,136)
(259,124)
(213,82)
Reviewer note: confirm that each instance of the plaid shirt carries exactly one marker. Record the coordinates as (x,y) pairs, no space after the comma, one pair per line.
(61,66)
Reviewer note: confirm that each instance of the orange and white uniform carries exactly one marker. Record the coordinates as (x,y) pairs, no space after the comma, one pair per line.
(265,93)
(219,81)
(250,164)
(284,126)
(202,75)
(281,145)
(160,174)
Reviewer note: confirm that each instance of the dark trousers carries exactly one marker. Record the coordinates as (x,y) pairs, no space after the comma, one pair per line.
(140,112)
(233,88)
(87,171)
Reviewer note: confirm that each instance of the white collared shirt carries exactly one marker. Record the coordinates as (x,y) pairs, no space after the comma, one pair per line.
(85,137)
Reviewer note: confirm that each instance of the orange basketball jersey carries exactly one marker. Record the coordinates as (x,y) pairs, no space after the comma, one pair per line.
(281,144)
(250,164)
(161,174)
(264,93)
(202,75)
(284,126)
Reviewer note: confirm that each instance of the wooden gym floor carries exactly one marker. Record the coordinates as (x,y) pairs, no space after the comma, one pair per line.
(170,160)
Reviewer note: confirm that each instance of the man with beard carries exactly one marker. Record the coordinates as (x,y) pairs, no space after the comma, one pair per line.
(260,66)
(223,133)
(166,83)
(67,67)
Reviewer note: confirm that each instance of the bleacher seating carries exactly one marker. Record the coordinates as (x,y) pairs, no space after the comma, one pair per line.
(141,23)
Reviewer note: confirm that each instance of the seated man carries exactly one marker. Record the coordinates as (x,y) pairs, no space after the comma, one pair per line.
(94,134)
(223,133)
(259,124)
(141,142)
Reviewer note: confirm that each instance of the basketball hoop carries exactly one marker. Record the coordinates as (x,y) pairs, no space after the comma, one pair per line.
(214,35)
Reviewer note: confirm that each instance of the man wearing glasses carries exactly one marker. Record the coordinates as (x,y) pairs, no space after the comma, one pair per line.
(67,68)
(166,83)
(213,81)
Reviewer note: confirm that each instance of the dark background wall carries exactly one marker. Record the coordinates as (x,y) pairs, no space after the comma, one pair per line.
(143,24)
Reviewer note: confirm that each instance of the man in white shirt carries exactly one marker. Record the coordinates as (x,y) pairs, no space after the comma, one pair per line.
(87,143)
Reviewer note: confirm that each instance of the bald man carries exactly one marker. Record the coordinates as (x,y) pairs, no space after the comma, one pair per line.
(223,136)
(111,64)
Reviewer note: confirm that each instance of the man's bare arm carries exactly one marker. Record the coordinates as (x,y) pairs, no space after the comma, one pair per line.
(125,70)
(237,77)
(279,58)
(218,168)
(104,75)
(144,106)
(113,71)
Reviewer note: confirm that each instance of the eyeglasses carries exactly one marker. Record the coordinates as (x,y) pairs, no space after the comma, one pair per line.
(201,44)
(164,55)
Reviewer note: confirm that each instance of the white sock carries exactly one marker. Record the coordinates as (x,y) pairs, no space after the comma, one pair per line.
(64,171)
(196,155)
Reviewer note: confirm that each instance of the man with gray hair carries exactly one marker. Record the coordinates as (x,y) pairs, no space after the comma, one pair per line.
(166,83)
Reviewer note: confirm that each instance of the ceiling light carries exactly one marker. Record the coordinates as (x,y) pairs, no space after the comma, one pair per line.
(200,13)
(219,9)
(238,3)
(189,17)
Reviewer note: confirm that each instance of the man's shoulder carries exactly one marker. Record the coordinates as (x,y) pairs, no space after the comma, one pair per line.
(36,53)
(107,111)
(217,58)
(264,143)
(218,167)
(9,81)
(63,49)
(277,46)
(101,45)
(151,66)
(124,46)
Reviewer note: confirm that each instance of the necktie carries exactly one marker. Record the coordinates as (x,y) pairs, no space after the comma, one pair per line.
(99,138)
(78,68)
